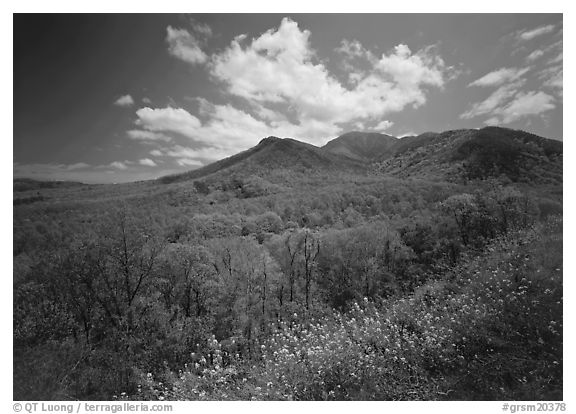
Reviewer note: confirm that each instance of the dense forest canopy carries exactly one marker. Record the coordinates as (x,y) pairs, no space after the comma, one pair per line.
(430,270)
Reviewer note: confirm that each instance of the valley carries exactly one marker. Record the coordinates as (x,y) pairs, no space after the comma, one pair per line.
(371,268)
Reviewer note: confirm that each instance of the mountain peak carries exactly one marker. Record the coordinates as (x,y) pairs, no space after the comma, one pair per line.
(270,139)
(361,146)
(273,153)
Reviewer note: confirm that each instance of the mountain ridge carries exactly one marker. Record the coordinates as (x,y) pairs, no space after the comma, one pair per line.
(362,146)
(453,155)
(273,153)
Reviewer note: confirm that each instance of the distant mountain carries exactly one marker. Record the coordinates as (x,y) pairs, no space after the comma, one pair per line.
(272,154)
(456,155)
(362,146)
(27,184)
(470,154)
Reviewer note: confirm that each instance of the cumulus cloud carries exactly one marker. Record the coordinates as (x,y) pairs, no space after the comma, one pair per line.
(228,130)
(280,67)
(144,135)
(156,153)
(119,165)
(186,156)
(125,100)
(539,31)
(168,119)
(147,162)
(288,92)
(384,125)
(354,49)
(185,46)
(500,76)
(179,151)
(203,30)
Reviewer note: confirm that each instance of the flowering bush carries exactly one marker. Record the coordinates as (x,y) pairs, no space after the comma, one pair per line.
(490,329)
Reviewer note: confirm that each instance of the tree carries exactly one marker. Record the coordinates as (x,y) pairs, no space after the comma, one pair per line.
(184,275)
(310,250)
(462,207)
(246,274)
(118,267)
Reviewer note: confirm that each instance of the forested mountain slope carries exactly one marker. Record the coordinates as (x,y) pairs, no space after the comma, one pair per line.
(462,155)
(274,153)
(362,146)
(290,272)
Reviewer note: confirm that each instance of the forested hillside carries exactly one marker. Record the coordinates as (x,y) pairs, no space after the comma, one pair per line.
(470,154)
(289,272)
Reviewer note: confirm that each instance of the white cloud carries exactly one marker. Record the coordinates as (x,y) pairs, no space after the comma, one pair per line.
(268,114)
(168,120)
(188,162)
(534,55)
(118,165)
(384,125)
(525,104)
(201,29)
(279,67)
(146,100)
(228,129)
(553,78)
(148,162)
(510,101)
(184,46)
(156,153)
(288,91)
(539,31)
(139,134)
(125,100)
(492,121)
(354,49)
(205,153)
(508,104)
(500,76)
(77,166)
(494,101)
(559,58)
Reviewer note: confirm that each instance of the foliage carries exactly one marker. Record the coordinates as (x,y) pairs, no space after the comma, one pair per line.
(288,286)
(492,329)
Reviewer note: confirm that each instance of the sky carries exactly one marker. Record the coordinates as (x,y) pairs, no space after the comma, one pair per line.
(102,98)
